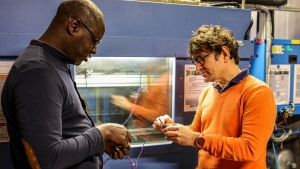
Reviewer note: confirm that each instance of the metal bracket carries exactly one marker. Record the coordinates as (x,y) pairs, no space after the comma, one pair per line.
(288,111)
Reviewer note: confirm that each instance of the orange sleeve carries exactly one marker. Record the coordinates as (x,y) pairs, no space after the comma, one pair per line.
(143,113)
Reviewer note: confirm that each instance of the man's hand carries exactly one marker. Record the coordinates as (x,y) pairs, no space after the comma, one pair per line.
(180,134)
(115,151)
(117,139)
(157,125)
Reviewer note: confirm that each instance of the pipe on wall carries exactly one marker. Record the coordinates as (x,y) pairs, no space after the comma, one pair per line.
(260,2)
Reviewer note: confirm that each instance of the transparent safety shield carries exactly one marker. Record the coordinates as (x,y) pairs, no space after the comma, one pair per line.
(132,91)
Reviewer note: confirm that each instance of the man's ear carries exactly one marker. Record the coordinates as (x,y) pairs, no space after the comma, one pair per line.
(225,53)
(73,26)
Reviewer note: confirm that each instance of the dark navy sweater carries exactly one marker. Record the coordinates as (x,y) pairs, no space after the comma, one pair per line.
(42,106)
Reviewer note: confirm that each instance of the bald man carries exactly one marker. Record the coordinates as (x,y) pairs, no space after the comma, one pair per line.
(47,120)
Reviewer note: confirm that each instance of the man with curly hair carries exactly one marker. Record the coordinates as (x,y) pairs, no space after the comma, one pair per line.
(235,116)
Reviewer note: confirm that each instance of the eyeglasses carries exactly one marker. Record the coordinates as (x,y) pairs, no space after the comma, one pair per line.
(96,40)
(201,59)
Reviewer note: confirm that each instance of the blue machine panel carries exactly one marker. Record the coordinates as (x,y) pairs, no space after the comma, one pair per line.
(283,52)
(286,52)
(131,27)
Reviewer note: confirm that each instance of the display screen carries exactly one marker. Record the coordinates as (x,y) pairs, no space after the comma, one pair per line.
(132,91)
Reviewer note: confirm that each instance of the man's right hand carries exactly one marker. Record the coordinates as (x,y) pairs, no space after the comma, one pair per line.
(166,119)
(117,139)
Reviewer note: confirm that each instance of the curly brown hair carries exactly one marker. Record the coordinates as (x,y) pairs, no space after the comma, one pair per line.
(212,38)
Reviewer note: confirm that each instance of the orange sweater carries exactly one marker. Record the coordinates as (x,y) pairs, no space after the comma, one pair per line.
(236,124)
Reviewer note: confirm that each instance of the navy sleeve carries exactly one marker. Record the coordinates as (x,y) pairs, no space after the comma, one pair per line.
(40,99)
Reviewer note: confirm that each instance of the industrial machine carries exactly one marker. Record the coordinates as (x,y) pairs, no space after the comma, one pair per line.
(279,60)
(143,57)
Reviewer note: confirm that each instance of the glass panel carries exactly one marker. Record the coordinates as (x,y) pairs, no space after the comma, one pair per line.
(142,90)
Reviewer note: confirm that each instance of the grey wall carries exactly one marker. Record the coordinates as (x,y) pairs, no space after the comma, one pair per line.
(286,23)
